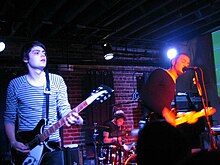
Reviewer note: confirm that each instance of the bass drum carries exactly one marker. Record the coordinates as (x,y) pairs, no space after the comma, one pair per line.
(131,160)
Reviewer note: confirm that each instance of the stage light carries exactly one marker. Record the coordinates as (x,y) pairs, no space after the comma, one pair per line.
(108,52)
(2,46)
(108,56)
(171,53)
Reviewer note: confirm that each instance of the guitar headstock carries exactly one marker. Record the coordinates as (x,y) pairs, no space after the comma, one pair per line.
(102,93)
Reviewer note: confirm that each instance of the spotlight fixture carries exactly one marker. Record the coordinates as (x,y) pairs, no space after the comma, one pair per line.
(171,53)
(2,46)
(108,52)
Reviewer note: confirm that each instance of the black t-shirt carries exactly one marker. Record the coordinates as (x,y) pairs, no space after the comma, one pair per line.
(113,129)
(158,91)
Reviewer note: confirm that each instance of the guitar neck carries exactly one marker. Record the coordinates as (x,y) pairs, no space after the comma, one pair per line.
(61,122)
(102,92)
(183,119)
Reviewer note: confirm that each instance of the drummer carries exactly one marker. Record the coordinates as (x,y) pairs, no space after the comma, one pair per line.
(115,131)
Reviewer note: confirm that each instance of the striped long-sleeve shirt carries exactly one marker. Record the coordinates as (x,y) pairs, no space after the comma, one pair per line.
(29,103)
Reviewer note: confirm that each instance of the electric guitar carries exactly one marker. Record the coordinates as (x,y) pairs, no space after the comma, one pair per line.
(181,117)
(192,116)
(37,138)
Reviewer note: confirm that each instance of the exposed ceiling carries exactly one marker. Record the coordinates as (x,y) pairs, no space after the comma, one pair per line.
(143,24)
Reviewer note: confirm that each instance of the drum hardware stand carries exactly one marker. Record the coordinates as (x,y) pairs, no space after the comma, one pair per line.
(95,134)
(100,158)
(119,148)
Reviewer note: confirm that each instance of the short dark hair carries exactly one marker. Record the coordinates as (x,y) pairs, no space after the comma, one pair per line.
(181,53)
(119,114)
(27,48)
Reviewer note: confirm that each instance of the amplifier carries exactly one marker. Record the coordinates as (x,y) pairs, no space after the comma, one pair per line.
(185,103)
(73,156)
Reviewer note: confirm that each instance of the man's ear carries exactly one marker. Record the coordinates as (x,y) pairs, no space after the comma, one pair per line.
(25,60)
(173,62)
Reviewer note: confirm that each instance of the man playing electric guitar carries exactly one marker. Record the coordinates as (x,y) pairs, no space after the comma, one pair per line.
(26,102)
(160,88)
(159,91)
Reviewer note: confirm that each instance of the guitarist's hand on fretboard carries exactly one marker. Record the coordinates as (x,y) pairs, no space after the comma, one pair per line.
(73,118)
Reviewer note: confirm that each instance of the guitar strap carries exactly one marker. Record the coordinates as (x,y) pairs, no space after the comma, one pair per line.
(47,92)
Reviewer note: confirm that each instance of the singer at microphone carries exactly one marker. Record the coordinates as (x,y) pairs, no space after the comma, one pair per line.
(189,68)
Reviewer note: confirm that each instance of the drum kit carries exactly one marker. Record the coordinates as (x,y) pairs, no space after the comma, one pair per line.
(114,155)
(109,154)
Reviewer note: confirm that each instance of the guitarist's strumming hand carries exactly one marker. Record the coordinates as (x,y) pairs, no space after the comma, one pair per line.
(169,116)
(18,146)
(74,118)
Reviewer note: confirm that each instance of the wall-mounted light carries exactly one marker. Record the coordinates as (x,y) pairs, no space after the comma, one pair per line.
(107,50)
(2,46)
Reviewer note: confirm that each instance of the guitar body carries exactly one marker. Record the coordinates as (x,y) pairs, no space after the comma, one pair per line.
(26,137)
(35,156)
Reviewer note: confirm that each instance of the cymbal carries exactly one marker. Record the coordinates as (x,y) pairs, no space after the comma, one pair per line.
(135,132)
(98,127)
(123,133)
(127,147)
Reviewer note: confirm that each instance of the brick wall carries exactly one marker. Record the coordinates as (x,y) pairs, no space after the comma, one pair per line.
(125,84)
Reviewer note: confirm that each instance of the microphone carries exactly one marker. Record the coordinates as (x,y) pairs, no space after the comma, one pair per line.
(189,68)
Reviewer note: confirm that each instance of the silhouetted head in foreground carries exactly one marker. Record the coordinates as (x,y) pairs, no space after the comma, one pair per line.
(161,142)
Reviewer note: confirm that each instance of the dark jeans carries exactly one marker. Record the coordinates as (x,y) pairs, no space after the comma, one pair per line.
(53,158)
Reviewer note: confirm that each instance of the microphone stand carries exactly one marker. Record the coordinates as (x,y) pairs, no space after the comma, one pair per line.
(213,143)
